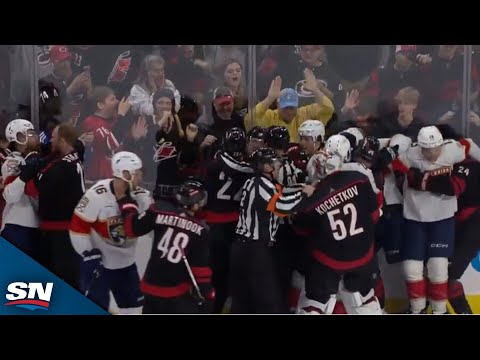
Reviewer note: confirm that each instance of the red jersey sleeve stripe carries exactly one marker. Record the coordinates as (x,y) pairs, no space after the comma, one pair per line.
(79,225)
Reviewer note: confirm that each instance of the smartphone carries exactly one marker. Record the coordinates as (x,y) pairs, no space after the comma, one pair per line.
(86,70)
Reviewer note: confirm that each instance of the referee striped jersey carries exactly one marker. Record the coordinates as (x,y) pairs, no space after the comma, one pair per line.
(289,174)
(260,195)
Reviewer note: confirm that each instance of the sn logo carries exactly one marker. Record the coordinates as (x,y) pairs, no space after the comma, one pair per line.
(30,296)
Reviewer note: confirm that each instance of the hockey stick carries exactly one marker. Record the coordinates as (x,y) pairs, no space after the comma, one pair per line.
(96,275)
(200,298)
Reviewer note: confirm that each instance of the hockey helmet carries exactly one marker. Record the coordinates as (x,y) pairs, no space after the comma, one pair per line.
(191,192)
(262,157)
(125,161)
(277,138)
(257,133)
(312,128)
(15,127)
(339,145)
(369,148)
(429,137)
(323,164)
(235,142)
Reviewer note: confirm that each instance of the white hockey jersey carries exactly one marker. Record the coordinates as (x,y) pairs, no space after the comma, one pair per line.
(355,166)
(391,192)
(20,209)
(97,223)
(425,206)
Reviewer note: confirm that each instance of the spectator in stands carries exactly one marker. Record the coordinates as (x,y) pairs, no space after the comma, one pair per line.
(289,114)
(143,131)
(399,117)
(356,111)
(451,113)
(189,111)
(233,78)
(212,129)
(165,148)
(72,91)
(405,71)
(291,69)
(107,113)
(218,55)
(190,74)
(445,72)
(151,79)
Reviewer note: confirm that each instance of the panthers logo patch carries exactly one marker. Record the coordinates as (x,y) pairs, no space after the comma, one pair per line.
(116,232)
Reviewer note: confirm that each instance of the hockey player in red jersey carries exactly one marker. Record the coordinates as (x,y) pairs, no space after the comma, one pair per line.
(98,235)
(178,275)
(341,212)
(225,176)
(59,186)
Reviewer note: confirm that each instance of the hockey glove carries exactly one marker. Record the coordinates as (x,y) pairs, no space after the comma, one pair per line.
(33,164)
(385,157)
(415,177)
(127,204)
(91,268)
(205,303)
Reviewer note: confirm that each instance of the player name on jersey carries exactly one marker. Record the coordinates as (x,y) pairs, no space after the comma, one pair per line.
(185,224)
(337,199)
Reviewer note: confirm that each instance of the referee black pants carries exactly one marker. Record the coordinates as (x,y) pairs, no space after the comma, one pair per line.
(254,281)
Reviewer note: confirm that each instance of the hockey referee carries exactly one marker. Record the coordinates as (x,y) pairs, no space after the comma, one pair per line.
(254,276)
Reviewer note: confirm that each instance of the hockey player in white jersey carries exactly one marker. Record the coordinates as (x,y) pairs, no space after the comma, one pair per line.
(311,134)
(429,220)
(20,220)
(97,233)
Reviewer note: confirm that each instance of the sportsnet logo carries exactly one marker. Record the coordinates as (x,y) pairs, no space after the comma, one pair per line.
(37,297)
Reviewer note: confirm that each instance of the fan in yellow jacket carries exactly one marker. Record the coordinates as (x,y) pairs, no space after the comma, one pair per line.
(288,114)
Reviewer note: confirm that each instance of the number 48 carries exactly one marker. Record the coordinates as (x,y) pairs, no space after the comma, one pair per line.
(174,251)
(338,225)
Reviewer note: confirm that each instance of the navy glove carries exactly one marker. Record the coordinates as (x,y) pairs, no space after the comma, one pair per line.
(34,162)
(91,268)
(386,156)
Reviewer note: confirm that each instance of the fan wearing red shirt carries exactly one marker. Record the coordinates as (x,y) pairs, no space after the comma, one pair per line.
(108,111)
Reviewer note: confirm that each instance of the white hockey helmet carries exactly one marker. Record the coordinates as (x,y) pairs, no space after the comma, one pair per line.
(125,161)
(312,128)
(322,164)
(339,145)
(429,137)
(15,127)
(355,131)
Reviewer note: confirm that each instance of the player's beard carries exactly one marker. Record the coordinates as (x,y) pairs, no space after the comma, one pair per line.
(32,148)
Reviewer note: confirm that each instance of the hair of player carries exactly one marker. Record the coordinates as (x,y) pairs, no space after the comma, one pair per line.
(67,132)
